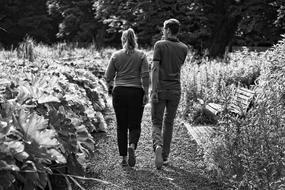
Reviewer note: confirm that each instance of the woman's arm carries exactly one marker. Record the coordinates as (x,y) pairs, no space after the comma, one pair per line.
(110,73)
(145,74)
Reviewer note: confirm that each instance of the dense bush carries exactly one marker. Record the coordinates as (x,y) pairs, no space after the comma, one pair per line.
(245,153)
(211,79)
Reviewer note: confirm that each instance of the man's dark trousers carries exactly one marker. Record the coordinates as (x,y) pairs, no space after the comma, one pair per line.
(163,115)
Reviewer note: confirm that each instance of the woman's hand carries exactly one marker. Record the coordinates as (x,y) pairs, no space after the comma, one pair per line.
(110,87)
(145,99)
(154,97)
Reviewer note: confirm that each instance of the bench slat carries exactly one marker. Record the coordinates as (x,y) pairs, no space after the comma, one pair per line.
(237,109)
(214,108)
(245,93)
(240,103)
(247,90)
(241,96)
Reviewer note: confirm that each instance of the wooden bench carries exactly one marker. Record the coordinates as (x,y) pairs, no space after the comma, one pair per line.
(239,105)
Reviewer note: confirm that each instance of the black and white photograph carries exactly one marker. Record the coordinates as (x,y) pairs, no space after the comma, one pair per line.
(142,94)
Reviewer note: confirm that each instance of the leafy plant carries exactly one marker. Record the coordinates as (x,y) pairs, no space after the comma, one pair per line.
(47,120)
(248,153)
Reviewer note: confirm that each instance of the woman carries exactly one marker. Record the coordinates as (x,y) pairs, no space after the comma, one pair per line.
(128,68)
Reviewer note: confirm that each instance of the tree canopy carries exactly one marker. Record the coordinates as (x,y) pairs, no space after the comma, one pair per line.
(206,25)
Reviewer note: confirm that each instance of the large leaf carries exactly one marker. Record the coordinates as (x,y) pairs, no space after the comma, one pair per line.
(11,146)
(65,129)
(8,164)
(84,139)
(40,142)
(17,149)
(23,95)
(38,88)
(4,129)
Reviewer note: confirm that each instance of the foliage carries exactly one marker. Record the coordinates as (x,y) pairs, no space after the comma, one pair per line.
(232,22)
(248,152)
(211,27)
(77,19)
(211,78)
(206,25)
(280,21)
(48,111)
(19,18)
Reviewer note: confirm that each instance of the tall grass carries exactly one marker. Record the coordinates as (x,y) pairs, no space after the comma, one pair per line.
(245,153)
(212,79)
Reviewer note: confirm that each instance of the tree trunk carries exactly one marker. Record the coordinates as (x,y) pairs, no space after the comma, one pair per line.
(223,35)
(99,38)
(225,26)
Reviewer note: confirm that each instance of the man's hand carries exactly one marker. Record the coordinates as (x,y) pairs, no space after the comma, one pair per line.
(154,97)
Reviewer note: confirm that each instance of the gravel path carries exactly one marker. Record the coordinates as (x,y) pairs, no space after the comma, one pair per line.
(185,170)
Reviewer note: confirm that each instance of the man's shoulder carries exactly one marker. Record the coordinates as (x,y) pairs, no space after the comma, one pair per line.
(160,42)
(183,44)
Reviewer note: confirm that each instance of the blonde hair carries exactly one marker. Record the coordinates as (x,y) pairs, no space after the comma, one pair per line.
(129,40)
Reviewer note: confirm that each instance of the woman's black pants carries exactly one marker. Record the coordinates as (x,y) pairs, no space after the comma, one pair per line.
(128,106)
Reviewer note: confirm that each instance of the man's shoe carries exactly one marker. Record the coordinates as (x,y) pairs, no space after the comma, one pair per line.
(132,157)
(158,157)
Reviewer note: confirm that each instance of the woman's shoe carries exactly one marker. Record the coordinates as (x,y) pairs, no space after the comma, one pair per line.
(124,163)
(165,162)
(158,157)
(132,157)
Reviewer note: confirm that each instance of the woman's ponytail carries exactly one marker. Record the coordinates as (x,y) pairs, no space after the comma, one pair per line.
(129,40)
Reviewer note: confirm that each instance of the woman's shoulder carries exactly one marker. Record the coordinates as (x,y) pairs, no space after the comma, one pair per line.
(117,53)
(140,53)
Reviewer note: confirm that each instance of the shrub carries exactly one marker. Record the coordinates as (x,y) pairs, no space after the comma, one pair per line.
(210,79)
(254,146)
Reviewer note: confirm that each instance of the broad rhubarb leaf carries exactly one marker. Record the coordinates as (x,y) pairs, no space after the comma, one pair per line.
(84,139)
(40,142)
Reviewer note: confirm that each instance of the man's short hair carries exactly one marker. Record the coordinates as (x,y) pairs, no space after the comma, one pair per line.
(173,24)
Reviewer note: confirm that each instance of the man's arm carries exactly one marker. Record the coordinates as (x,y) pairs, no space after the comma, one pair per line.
(145,74)
(154,77)
(155,71)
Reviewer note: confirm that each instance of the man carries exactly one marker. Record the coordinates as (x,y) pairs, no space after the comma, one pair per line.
(169,56)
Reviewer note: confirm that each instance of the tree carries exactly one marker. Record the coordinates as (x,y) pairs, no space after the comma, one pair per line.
(238,21)
(21,18)
(77,20)
(146,17)
(206,25)
(280,21)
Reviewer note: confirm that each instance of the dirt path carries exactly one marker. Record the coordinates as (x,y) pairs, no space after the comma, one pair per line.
(184,172)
